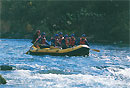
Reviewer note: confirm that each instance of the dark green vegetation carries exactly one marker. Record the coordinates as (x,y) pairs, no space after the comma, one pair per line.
(2,80)
(100,20)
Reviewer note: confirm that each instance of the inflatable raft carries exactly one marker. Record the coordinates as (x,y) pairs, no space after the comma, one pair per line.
(80,50)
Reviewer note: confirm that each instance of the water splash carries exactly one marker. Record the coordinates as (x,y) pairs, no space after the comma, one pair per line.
(105,69)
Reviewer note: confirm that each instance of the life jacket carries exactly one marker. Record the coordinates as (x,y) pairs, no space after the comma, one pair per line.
(82,41)
(72,41)
(66,42)
(43,40)
(60,39)
(56,41)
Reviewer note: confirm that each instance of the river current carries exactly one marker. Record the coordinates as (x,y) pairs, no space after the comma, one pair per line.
(109,68)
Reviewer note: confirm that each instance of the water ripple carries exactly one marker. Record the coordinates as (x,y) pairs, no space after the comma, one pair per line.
(105,69)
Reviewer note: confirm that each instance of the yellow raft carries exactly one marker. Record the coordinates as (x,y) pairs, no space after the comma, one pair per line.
(80,50)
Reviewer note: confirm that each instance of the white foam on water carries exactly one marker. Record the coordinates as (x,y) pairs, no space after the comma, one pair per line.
(108,68)
(26,79)
(124,72)
(128,57)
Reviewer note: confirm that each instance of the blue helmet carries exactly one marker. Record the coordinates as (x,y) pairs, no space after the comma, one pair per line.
(56,35)
(83,35)
(43,33)
(66,35)
(60,33)
(72,34)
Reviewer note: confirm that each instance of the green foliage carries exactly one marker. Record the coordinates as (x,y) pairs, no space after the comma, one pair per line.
(105,20)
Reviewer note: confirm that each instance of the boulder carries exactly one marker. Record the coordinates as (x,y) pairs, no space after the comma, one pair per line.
(5,67)
(2,80)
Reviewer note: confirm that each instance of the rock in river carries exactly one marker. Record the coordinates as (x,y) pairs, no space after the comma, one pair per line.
(5,67)
(2,80)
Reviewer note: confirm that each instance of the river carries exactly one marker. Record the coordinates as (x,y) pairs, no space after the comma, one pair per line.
(109,68)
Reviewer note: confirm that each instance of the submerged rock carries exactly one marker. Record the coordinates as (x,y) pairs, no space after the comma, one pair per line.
(2,80)
(5,67)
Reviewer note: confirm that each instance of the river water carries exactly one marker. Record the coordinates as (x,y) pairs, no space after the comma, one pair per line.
(109,68)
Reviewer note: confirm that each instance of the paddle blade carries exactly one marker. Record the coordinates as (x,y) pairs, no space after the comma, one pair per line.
(95,50)
(26,52)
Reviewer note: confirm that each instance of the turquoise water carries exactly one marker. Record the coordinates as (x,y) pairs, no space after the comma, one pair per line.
(109,68)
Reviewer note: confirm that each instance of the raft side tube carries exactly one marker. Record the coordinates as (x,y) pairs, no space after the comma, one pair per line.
(74,51)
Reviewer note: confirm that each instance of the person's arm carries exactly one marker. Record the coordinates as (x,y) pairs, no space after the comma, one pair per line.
(47,43)
(86,42)
(37,40)
(78,41)
(52,42)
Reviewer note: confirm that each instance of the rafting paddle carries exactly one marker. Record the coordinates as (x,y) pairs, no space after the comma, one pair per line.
(95,50)
(33,44)
(29,49)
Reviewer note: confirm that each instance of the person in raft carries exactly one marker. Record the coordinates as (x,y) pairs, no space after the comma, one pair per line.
(43,42)
(83,40)
(60,37)
(65,42)
(72,41)
(55,41)
(36,36)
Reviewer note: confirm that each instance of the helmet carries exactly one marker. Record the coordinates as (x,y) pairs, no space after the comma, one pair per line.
(56,35)
(60,33)
(72,34)
(43,33)
(38,31)
(66,35)
(83,35)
